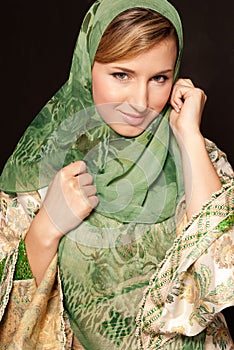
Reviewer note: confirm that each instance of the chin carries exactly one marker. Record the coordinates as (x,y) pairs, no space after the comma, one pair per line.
(128,130)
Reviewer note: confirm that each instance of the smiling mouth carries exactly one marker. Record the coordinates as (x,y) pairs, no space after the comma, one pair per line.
(133,119)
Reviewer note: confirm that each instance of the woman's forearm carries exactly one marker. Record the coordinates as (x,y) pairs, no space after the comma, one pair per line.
(200,177)
(70,196)
(41,242)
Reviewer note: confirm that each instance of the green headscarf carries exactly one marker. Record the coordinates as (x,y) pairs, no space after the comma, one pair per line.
(132,175)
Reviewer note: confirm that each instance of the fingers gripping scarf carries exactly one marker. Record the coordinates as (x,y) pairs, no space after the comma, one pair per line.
(131,175)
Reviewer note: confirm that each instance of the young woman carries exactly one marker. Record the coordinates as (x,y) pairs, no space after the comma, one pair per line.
(140,213)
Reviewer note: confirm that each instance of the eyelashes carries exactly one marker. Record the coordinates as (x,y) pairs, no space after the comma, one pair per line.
(160,79)
(120,75)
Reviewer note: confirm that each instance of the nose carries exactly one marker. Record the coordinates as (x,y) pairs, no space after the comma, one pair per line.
(138,97)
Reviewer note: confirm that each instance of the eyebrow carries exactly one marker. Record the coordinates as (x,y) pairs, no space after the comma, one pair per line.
(132,71)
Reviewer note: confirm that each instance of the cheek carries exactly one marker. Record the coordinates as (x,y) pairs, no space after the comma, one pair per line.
(104,91)
(160,98)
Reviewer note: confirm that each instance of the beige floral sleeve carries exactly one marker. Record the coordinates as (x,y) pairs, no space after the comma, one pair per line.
(31,316)
(195,282)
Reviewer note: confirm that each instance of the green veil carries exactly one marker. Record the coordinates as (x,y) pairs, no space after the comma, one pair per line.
(131,175)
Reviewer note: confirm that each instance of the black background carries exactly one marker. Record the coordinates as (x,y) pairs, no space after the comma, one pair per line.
(37,45)
(37,42)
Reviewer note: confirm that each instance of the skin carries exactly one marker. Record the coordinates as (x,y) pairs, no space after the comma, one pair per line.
(133,94)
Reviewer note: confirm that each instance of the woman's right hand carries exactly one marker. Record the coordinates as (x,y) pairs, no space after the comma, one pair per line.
(70,198)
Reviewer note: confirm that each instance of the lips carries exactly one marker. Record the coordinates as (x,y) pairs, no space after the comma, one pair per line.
(133,119)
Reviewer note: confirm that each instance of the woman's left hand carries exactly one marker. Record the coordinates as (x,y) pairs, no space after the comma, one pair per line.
(200,177)
(188,103)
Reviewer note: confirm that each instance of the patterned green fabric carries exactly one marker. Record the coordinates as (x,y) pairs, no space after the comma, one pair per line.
(104,286)
(108,260)
(22,268)
(69,128)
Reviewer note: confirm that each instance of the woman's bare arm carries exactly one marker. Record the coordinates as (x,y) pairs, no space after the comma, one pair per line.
(200,177)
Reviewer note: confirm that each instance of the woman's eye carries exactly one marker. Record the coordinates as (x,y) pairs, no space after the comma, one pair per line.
(120,76)
(160,78)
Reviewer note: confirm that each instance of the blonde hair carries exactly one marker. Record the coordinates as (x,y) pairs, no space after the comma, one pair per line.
(131,33)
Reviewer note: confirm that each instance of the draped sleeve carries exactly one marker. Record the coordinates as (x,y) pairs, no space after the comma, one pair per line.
(182,304)
(30,316)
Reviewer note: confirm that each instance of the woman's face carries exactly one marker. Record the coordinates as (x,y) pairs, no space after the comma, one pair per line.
(130,93)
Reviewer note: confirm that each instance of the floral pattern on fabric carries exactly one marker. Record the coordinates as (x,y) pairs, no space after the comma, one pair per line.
(30,317)
(223,253)
(220,162)
(190,287)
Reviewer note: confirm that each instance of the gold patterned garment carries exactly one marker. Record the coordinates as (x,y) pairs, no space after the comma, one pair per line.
(194,282)
(180,308)
(31,317)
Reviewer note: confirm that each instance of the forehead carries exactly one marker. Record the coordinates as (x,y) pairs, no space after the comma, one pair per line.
(162,55)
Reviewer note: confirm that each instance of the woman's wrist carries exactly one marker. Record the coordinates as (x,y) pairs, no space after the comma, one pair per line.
(190,142)
(41,242)
(200,177)
(44,230)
